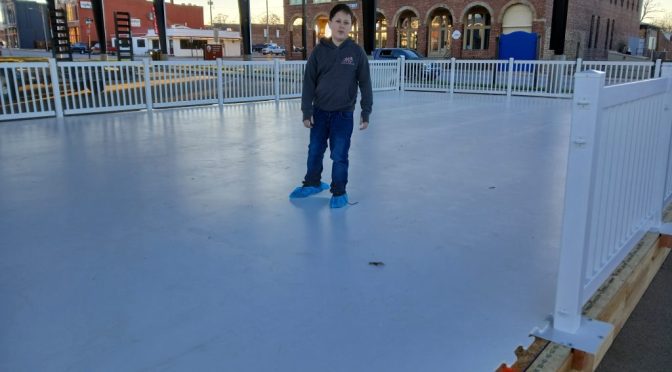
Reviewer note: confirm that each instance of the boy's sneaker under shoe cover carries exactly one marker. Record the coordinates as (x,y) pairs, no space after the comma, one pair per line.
(339,201)
(306,191)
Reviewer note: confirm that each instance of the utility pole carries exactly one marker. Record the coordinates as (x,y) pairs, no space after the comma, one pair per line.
(210,4)
(267,34)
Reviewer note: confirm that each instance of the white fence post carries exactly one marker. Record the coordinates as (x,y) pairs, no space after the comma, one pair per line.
(657,72)
(666,70)
(276,79)
(220,83)
(453,65)
(509,79)
(579,63)
(56,89)
(148,84)
(578,198)
(402,72)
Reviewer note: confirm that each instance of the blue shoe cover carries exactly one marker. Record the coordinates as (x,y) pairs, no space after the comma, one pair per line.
(306,191)
(339,201)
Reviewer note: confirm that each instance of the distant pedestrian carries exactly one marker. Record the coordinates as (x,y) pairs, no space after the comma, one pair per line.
(336,68)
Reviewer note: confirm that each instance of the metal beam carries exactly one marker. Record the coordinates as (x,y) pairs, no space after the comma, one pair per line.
(559,26)
(98,8)
(369,25)
(160,14)
(245,28)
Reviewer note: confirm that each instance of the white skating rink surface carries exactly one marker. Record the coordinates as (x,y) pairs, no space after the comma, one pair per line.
(167,242)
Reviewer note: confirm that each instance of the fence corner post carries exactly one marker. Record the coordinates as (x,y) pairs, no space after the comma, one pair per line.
(148,84)
(586,107)
(56,88)
(509,78)
(276,79)
(220,83)
(453,65)
(656,71)
(579,63)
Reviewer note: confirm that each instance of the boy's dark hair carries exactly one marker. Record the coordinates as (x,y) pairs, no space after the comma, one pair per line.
(341,8)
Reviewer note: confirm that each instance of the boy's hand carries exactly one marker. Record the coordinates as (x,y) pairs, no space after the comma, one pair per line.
(308,123)
(363,124)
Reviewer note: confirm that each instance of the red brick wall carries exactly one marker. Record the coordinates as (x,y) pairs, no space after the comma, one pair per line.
(578,23)
(626,24)
(189,15)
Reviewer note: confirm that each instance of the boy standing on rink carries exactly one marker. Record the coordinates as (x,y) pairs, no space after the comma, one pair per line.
(336,67)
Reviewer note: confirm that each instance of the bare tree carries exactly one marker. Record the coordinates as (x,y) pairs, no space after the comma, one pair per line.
(664,22)
(273,19)
(220,18)
(649,8)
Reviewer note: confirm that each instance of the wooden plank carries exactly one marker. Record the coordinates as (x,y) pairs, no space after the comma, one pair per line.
(612,303)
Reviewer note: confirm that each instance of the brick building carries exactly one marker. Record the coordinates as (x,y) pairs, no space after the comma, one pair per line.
(142,17)
(276,33)
(593,26)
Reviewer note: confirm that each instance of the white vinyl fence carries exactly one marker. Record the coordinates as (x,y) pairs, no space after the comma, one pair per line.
(28,89)
(616,182)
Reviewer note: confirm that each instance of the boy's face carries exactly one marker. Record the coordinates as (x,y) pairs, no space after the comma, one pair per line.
(340,26)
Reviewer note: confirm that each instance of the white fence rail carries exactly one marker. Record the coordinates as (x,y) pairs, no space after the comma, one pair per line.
(615,186)
(88,87)
(25,90)
(28,89)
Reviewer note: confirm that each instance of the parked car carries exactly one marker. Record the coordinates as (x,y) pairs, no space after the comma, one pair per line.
(430,69)
(80,48)
(258,47)
(275,50)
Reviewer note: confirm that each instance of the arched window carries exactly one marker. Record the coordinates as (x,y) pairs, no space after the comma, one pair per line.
(354,31)
(381,31)
(440,28)
(295,38)
(477,29)
(321,29)
(517,18)
(407,30)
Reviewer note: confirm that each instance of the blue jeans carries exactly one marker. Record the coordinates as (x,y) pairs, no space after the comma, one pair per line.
(336,127)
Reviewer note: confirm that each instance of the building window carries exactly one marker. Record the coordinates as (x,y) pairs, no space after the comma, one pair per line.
(192,44)
(611,37)
(321,1)
(590,34)
(441,27)
(295,2)
(381,31)
(407,30)
(606,35)
(477,29)
(517,18)
(597,32)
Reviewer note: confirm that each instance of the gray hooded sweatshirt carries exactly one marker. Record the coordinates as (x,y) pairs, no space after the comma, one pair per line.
(332,76)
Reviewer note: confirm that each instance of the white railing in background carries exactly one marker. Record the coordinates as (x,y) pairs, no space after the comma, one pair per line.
(183,83)
(88,87)
(384,75)
(28,89)
(248,81)
(539,78)
(489,77)
(615,185)
(25,90)
(290,78)
(666,71)
(619,72)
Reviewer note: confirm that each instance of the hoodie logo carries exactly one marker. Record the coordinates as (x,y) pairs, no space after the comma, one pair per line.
(348,61)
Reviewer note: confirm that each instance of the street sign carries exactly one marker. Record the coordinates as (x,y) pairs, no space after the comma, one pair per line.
(88,21)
